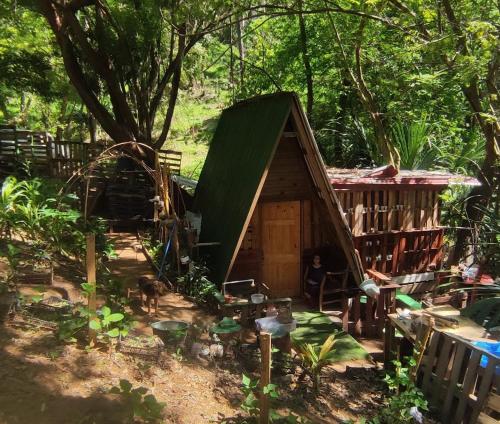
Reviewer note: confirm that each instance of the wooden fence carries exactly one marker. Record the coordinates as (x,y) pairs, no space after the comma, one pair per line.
(172,159)
(41,154)
(456,380)
(395,230)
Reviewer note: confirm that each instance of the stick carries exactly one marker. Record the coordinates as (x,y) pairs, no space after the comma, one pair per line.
(420,346)
(91,279)
(265,376)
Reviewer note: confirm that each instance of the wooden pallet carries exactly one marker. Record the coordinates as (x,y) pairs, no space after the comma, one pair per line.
(453,380)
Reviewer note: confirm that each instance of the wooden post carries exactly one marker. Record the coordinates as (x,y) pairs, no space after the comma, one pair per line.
(91,279)
(265,376)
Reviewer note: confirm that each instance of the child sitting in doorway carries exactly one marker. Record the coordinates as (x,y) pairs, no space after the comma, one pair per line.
(315,273)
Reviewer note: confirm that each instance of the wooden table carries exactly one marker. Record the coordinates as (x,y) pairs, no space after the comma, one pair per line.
(250,311)
(466,329)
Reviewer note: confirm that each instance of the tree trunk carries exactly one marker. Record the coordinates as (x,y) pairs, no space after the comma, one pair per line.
(307,63)
(92,126)
(340,124)
(480,196)
(240,29)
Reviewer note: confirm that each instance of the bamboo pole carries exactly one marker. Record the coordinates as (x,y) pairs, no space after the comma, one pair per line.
(91,279)
(265,376)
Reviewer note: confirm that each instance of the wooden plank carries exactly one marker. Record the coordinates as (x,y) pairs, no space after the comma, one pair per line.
(91,279)
(391,211)
(376,206)
(435,211)
(441,368)
(306,225)
(265,376)
(428,209)
(468,386)
(429,362)
(484,389)
(358,213)
(369,213)
(452,382)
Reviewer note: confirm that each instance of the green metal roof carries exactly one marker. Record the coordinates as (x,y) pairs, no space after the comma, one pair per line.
(243,145)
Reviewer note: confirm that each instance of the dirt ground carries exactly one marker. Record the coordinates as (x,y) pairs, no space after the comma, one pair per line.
(45,381)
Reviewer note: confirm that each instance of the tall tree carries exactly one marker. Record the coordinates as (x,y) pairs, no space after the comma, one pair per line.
(307,61)
(124,56)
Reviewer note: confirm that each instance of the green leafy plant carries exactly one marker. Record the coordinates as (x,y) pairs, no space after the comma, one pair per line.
(252,392)
(107,325)
(73,324)
(315,358)
(195,284)
(138,404)
(406,398)
(412,142)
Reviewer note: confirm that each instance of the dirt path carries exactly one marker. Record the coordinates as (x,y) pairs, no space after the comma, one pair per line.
(129,266)
(43,381)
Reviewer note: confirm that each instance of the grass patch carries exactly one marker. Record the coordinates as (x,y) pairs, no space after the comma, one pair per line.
(194,122)
(315,327)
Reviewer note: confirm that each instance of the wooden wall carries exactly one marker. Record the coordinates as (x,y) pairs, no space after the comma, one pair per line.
(395,230)
(400,208)
(288,179)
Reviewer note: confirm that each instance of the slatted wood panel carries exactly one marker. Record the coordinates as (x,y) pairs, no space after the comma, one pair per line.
(455,379)
(401,252)
(172,159)
(280,223)
(288,177)
(373,211)
(58,159)
(41,154)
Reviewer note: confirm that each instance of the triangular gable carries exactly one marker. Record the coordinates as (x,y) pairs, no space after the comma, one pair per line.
(236,168)
(320,178)
(240,154)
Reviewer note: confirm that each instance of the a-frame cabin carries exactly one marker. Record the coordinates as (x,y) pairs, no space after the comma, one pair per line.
(266,200)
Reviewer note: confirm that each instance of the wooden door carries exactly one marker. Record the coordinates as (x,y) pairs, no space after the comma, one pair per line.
(280,223)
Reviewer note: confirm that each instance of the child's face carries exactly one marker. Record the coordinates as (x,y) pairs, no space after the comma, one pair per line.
(316,260)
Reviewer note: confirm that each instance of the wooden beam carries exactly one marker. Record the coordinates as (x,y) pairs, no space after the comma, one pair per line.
(265,376)
(91,279)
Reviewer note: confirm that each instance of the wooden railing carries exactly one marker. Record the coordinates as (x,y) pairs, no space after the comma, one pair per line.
(40,153)
(172,159)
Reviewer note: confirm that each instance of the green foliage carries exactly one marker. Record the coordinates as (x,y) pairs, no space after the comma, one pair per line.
(73,324)
(315,358)
(412,142)
(138,404)
(404,396)
(33,211)
(252,391)
(195,284)
(109,325)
